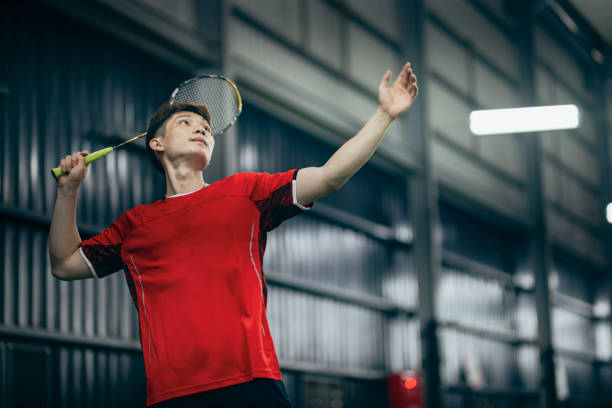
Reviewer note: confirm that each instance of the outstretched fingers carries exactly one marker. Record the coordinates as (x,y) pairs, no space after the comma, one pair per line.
(404,76)
(411,84)
(384,82)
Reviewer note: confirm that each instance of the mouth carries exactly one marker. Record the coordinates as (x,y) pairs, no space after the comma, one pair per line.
(200,140)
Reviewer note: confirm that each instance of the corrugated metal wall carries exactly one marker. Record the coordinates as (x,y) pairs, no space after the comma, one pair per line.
(343,287)
(473,62)
(580,332)
(484,312)
(69,88)
(573,192)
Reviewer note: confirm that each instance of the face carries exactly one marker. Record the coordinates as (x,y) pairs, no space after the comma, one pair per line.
(186,141)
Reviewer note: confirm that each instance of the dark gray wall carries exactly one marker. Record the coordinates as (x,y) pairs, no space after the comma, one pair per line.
(343,278)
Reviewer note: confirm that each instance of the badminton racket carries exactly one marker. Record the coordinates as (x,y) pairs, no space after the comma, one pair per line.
(217,93)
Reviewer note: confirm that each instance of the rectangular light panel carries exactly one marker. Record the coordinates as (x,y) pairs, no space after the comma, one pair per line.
(521,120)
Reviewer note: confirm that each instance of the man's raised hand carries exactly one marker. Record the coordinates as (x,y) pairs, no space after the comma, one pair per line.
(397,98)
(75,168)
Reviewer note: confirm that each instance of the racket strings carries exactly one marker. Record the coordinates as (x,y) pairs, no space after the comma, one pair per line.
(218,95)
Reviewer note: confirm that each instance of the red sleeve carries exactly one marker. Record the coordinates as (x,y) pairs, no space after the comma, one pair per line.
(102,253)
(275,197)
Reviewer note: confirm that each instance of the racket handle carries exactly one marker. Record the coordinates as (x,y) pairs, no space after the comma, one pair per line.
(57,172)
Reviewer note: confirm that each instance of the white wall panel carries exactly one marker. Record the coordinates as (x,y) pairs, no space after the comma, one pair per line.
(446,57)
(578,158)
(313,329)
(580,201)
(183,11)
(492,91)
(587,128)
(449,115)
(506,152)
(398,283)
(545,95)
(528,365)
(550,142)
(603,340)
(274,65)
(481,33)
(382,14)
(456,301)
(549,50)
(369,58)
(497,7)
(324,33)
(526,318)
(551,182)
(562,94)
(573,236)
(282,16)
(572,331)
(456,347)
(466,176)
(403,344)
(545,87)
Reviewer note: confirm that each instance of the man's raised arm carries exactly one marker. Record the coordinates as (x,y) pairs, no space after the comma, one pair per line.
(64,239)
(316,182)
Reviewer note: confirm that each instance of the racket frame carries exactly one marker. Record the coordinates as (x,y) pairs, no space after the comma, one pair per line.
(197,78)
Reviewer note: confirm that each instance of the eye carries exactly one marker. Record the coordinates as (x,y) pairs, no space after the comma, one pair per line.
(185,121)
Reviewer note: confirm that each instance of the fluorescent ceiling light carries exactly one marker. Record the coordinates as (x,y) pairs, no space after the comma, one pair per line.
(609,213)
(520,120)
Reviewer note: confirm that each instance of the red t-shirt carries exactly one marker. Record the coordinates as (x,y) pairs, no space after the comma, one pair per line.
(193,264)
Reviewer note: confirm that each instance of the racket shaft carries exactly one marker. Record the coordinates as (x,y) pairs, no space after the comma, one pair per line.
(57,172)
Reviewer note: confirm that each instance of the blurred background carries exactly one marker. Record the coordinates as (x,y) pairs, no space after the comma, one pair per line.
(452,271)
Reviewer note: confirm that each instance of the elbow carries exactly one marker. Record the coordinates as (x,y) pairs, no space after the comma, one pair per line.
(335,184)
(56,267)
(58,273)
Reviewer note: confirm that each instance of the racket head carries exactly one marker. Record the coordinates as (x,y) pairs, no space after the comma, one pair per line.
(217,93)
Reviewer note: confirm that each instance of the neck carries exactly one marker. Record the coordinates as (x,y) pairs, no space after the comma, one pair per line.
(180,181)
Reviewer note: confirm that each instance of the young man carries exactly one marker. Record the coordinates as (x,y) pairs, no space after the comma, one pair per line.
(193,260)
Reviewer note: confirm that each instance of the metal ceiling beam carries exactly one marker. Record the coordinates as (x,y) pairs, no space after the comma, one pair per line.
(150,31)
(583,40)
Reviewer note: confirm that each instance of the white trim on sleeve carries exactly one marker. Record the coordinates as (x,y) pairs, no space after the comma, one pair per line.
(295,201)
(89,265)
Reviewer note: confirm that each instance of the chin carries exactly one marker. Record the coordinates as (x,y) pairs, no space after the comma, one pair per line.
(203,159)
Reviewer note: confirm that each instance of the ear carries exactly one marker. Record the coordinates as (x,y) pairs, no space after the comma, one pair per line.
(156,145)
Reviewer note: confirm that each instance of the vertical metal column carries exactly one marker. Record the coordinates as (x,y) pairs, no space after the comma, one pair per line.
(602,128)
(424,201)
(229,141)
(540,256)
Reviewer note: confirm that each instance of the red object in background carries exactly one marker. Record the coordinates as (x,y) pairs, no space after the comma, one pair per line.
(406,390)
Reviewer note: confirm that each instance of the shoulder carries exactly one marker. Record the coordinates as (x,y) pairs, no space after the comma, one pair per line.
(131,218)
(240,181)
(255,177)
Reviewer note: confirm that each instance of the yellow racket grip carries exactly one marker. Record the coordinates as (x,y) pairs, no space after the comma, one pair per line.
(57,172)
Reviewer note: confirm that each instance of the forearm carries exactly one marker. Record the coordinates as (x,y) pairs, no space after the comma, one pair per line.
(64,236)
(353,154)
